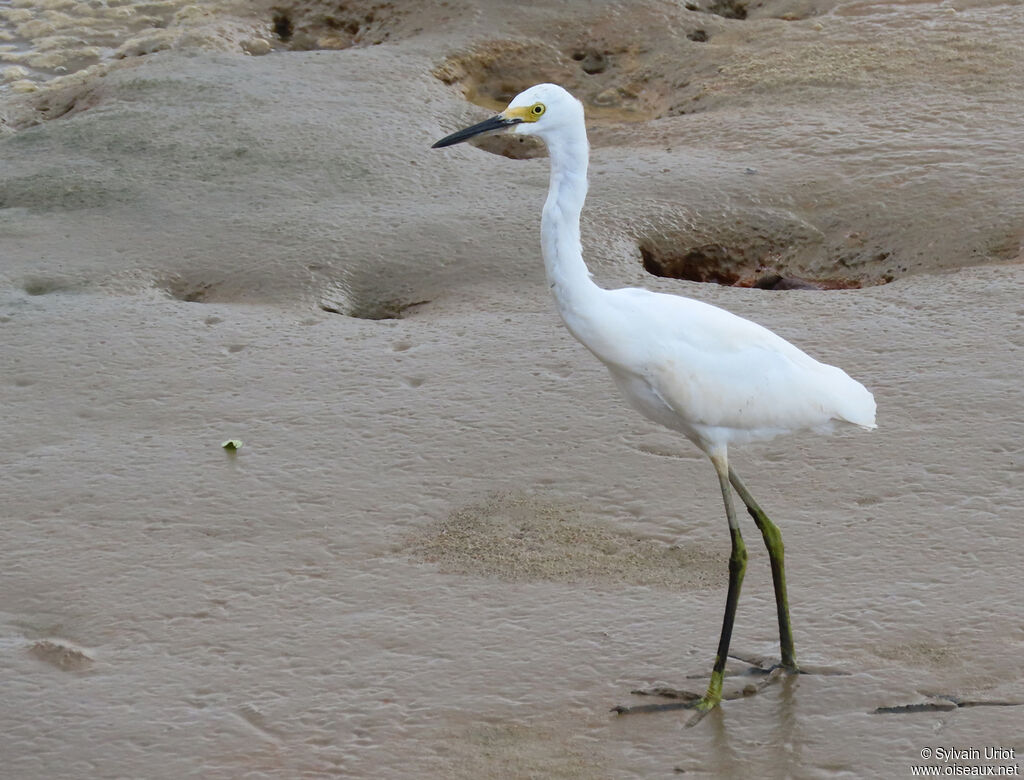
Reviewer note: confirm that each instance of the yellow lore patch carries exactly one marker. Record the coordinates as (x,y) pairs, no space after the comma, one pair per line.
(525,113)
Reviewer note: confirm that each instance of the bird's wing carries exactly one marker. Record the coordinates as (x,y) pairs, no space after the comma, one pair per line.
(715,369)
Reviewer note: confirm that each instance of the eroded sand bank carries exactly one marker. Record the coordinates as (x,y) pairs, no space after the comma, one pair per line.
(445,548)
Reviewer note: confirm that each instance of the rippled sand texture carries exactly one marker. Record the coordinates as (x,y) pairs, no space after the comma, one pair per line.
(446,548)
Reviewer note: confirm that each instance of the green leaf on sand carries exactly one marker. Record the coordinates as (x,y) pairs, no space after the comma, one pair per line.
(232,444)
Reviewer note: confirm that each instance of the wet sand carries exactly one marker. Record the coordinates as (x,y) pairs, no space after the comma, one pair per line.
(446,548)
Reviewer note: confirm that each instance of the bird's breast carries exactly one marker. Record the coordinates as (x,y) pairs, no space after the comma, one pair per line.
(644,397)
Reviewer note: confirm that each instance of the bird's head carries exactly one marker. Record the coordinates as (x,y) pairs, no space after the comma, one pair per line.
(544,110)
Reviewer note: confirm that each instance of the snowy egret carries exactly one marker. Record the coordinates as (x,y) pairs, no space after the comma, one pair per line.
(695,368)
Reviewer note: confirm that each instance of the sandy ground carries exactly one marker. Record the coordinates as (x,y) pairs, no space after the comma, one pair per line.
(446,548)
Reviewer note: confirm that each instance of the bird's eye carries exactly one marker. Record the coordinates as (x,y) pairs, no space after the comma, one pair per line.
(538,109)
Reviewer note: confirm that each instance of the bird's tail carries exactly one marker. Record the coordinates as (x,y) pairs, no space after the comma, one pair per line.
(857,405)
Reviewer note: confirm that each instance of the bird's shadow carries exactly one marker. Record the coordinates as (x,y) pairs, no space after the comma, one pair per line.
(763,673)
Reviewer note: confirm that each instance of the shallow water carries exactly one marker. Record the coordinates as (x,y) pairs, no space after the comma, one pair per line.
(443,546)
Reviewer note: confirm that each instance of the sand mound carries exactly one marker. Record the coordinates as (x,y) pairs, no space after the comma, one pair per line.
(525,538)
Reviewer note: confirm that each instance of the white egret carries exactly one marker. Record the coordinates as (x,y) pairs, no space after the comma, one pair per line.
(695,368)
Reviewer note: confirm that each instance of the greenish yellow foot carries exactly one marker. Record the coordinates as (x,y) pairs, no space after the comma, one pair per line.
(702,705)
(687,701)
(713,697)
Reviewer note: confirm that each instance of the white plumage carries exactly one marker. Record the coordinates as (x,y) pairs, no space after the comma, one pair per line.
(716,378)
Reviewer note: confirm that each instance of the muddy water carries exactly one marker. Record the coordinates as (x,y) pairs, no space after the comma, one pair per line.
(445,547)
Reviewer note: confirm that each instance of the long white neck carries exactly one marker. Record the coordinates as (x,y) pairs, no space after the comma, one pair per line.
(560,224)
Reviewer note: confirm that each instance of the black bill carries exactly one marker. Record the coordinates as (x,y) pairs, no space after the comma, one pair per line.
(487,126)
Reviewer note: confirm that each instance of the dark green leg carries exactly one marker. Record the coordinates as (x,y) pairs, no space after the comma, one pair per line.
(773,541)
(737,568)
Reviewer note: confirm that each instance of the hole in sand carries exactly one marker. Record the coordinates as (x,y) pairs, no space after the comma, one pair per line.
(187,290)
(43,286)
(283,28)
(306,26)
(591,61)
(190,293)
(607,78)
(370,298)
(727,9)
(624,67)
(756,266)
(373,310)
